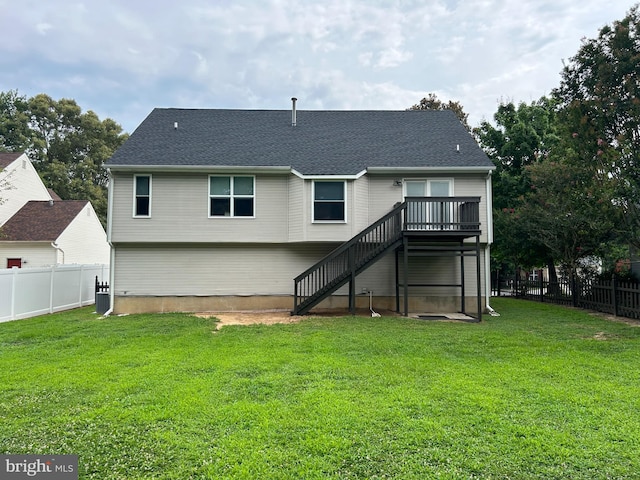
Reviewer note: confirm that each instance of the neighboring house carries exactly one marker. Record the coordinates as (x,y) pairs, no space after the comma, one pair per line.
(38,229)
(19,183)
(241,209)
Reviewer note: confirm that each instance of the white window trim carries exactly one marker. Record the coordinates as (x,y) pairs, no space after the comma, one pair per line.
(135,196)
(313,200)
(231,196)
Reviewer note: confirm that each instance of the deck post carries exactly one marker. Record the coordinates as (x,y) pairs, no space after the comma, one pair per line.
(478,278)
(405,243)
(352,282)
(462,291)
(397,253)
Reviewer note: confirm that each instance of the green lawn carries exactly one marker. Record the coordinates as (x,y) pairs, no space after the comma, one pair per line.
(539,392)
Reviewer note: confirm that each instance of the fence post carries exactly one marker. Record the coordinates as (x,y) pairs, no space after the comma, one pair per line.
(614,287)
(515,282)
(51,284)
(574,292)
(541,282)
(14,288)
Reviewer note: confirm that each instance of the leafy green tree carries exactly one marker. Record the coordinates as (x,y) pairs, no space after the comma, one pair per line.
(522,135)
(67,146)
(15,135)
(568,212)
(432,102)
(600,99)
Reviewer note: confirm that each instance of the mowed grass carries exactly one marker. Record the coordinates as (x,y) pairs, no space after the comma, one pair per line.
(539,392)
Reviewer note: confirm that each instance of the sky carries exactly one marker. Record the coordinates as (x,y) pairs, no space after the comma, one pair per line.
(123,58)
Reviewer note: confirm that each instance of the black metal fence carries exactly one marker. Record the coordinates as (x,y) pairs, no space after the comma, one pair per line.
(609,296)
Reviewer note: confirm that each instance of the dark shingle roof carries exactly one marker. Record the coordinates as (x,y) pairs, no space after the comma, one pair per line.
(41,221)
(7,158)
(322,143)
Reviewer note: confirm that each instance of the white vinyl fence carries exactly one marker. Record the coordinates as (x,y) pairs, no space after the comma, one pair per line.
(27,292)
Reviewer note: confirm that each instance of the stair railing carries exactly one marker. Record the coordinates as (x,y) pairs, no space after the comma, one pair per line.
(346,261)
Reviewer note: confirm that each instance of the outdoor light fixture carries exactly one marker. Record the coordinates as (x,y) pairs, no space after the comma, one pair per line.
(397,183)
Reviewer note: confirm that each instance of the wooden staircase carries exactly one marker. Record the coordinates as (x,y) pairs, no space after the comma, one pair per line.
(417,219)
(347,261)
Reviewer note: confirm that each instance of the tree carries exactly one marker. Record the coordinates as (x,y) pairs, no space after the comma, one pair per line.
(432,102)
(15,135)
(568,211)
(67,147)
(600,97)
(523,135)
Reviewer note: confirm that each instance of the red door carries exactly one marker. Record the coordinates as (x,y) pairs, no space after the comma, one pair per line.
(14,262)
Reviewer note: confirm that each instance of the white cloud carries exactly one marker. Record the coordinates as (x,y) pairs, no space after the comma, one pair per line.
(123,58)
(43,27)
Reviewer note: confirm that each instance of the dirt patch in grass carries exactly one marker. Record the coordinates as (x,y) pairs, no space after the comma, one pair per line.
(604,336)
(629,321)
(271,317)
(250,318)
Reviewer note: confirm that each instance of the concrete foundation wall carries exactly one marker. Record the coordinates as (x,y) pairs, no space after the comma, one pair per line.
(150,304)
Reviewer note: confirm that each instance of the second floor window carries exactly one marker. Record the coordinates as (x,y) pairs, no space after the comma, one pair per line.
(231,196)
(142,196)
(329,201)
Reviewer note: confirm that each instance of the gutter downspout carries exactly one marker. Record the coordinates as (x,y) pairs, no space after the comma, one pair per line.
(111,249)
(111,255)
(487,250)
(57,247)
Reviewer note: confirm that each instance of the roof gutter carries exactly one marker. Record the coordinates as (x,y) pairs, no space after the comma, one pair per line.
(198,168)
(396,170)
(328,177)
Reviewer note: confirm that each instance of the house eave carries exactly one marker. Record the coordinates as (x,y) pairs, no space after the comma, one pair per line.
(328,177)
(427,170)
(199,168)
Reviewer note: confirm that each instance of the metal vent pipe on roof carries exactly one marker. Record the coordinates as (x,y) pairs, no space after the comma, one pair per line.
(293,111)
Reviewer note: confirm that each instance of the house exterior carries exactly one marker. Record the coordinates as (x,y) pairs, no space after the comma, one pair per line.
(38,229)
(19,183)
(223,209)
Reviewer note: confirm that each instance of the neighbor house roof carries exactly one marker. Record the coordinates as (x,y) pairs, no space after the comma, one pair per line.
(7,158)
(41,221)
(321,143)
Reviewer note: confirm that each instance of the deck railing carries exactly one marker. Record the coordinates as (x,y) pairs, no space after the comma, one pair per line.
(442,213)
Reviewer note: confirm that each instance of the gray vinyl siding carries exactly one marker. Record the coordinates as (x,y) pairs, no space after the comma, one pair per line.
(383,194)
(245,270)
(184,269)
(361,217)
(475,186)
(181,270)
(297,208)
(283,209)
(180,211)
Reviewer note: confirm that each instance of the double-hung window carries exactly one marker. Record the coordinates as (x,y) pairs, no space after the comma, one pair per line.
(329,201)
(142,195)
(231,196)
